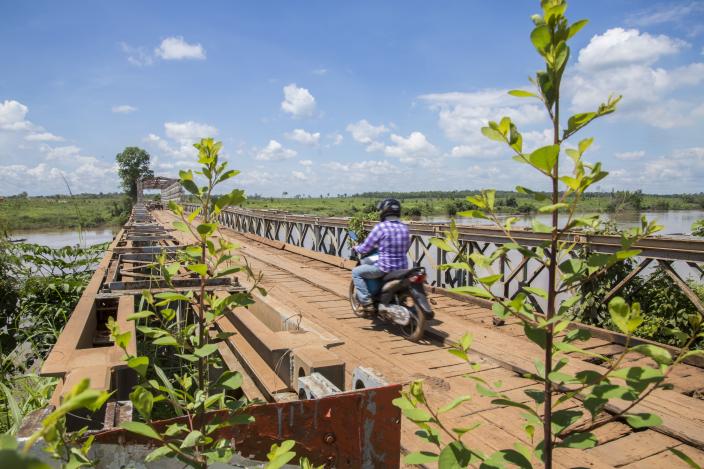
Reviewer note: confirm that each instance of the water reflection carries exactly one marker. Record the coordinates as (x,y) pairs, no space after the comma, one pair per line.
(673,221)
(72,237)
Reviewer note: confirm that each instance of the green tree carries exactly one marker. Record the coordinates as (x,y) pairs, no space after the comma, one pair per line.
(133,165)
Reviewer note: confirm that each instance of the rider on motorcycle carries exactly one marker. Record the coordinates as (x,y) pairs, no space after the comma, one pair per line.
(391,238)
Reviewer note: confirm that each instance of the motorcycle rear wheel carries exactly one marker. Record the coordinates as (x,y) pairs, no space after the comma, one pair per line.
(415,328)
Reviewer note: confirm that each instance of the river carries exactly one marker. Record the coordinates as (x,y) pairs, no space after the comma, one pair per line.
(675,222)
(70,237)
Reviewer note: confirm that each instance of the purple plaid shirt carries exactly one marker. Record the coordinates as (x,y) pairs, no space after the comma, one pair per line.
(392,240)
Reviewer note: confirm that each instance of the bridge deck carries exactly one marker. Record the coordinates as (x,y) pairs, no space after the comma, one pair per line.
(318,291)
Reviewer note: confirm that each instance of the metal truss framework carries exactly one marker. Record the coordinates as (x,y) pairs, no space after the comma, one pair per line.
(680,259)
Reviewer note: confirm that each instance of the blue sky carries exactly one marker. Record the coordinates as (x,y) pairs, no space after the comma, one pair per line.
(325,97)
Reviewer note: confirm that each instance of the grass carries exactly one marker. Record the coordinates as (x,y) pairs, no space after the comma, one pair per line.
(86,210)
(448,203)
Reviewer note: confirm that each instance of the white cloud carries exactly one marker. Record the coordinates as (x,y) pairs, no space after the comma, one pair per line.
(189,131)
(463,151)
(12,115)
(43,137)
(320,71)
(180,137)
(364,132)
(306,163)
(298,101)
(618,46)
(408,149)
(462,115)
(176,48)
(630,155)
(306,138)
(336,138)
(623,62)
(369,166)
(137,55)
(299,175)
(123,109)
(275,151)
(64,152)
(680,14)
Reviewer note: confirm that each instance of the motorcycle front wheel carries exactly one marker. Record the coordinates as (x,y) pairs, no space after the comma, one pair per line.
(415,328)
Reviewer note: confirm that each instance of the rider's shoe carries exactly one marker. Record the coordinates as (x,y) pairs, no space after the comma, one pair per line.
(368,309)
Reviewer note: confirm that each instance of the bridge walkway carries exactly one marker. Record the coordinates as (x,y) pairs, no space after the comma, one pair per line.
(318,291)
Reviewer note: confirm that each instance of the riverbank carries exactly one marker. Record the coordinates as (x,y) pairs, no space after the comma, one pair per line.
(59,212)
(426,204)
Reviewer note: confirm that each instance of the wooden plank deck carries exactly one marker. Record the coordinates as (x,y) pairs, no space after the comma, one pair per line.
(318,291)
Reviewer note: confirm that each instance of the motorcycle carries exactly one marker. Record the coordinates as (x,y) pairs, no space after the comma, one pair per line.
(400,293)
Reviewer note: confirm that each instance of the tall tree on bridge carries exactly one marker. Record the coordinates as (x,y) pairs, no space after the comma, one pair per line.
(133,165)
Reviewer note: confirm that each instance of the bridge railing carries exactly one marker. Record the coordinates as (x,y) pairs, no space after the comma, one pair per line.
(681,259)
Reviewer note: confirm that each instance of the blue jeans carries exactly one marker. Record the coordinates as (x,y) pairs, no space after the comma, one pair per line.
(360,273)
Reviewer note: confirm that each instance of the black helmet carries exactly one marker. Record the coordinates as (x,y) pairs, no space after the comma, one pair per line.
(389,208)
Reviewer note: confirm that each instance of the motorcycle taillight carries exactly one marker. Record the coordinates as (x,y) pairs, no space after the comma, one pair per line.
(420,278)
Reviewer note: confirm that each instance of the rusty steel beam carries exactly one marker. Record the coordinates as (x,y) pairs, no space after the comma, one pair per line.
(357,429)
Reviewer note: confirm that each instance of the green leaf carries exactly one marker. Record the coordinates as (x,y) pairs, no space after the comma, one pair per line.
(472,291)
(191,439)
(552,207)
(536,334)
(280,455)
(230,380)
(685,458)
(536,291)
(536,195)
(627,319)
(158,453)
(442,244)
(493,134)
(643,420)
(457,401)
(139,364)
(575,27)
(522,94)
(206,229)
(545,158)
(454,456)
(143,401)
(172,296)
(205,350)
(417,415)
(139,315)
(539,227)
(540,37)
(420,457)
(181,226)
(200,269)
(490,279)
(584,440)
(142,429)
(659,354)
(167,340)
(562,419)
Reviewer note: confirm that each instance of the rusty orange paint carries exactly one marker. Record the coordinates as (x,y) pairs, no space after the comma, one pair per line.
(347,430)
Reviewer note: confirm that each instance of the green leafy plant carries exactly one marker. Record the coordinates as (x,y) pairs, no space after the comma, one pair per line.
(548,421)
(357,224)
(69,449)
(180,325)
(698,228)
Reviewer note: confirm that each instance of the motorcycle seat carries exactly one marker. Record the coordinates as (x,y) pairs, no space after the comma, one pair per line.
(398,274)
